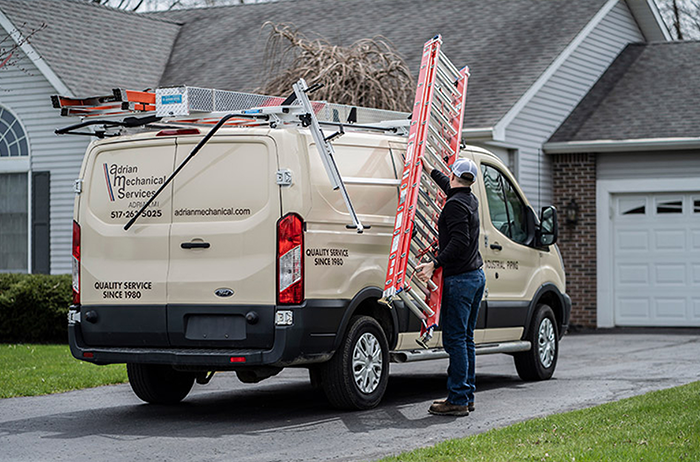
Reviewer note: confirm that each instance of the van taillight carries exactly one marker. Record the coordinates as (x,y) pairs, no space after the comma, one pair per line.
(76,263)
(290,260)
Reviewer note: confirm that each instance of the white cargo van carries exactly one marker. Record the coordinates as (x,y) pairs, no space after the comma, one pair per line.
(245,263)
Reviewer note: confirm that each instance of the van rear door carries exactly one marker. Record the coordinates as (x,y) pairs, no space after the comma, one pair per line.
(124,273)
(226,204)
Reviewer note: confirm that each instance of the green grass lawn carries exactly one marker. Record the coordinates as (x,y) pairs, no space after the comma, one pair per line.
(658,426)
(28,370)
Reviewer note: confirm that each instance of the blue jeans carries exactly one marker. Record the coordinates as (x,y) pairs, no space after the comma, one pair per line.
(461,297)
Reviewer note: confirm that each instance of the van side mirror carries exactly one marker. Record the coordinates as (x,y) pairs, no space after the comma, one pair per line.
(549,227)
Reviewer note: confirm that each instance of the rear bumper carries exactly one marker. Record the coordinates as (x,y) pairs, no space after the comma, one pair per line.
(308,340)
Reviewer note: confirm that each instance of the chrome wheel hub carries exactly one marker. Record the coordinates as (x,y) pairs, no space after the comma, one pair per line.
(367,363)
(546,343)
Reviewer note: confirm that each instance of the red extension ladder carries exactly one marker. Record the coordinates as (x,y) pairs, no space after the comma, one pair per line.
(435,132)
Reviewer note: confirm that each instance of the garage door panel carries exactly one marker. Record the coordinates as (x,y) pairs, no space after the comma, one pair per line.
(633,309)
(669,240)
(696,274)
(695,240)
(695,313)
(632,241)
(656,259)
(670,275)
(670,309)
(633,274)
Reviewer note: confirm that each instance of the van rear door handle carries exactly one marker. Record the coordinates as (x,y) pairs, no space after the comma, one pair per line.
(195,245)
(496,247)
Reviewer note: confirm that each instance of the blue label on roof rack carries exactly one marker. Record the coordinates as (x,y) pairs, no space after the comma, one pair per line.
(171,99)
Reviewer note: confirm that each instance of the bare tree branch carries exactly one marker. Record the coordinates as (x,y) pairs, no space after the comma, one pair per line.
(9,46)
(367,73)
(682,18)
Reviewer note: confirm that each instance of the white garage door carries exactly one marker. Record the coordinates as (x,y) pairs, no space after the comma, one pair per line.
(657,259)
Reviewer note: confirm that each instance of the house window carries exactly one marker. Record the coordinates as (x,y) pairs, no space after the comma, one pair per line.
(669,206)
(13,140)
(13,222)
(14,194)
(633,205)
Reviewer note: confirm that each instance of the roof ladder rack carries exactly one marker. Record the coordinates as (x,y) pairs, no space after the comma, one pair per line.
(435,131)
(325,149)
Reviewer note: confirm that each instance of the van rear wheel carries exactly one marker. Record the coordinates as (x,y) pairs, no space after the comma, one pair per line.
(159,384)
(357,375)
(539,363)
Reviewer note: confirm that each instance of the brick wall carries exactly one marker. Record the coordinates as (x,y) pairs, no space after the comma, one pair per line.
(575,178)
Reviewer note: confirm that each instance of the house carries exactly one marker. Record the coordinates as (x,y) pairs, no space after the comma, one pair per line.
(534,66)
(83,50)
(629,157)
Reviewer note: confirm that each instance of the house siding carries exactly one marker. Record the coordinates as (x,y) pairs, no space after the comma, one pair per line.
(649,165)
(26,92)
(546,111)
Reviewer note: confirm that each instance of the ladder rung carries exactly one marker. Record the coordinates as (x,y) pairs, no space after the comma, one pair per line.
(429,200)
(445,99)
(418,252)
(443,120)
(420,302)
(411,306)
(422,234)
(444,79)
(428,183)
(441,165)
(444,61)
(417,283)
(427,206)
(440,139)
(413,264)
(441,131)
(427,223)
(448,111)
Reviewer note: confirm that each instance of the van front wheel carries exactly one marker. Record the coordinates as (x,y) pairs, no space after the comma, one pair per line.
(539,363)
(159,384)
(357,375)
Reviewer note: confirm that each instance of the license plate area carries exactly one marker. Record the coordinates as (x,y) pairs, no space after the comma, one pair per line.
(221,326)
(215,327)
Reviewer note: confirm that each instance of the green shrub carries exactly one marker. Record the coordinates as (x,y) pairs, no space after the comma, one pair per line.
(33,308)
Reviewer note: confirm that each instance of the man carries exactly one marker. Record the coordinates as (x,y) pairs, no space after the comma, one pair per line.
(463,283)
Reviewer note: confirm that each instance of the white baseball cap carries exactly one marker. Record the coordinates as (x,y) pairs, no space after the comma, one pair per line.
(462,166)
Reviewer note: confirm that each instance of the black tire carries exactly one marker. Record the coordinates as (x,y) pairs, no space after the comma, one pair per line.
(159,384)
(338,377)
(539,363)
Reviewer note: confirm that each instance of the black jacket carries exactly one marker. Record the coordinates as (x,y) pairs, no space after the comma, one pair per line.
(458,229)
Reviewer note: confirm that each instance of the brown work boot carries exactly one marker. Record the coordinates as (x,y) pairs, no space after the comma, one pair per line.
(443,401)
(448,408)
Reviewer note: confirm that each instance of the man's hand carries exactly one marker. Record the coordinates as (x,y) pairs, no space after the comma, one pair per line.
(426,165)
(424,271)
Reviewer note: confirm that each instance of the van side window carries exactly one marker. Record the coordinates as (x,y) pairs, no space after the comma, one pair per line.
(506,208)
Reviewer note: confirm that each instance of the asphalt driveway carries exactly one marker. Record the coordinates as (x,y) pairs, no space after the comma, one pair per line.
(284,419)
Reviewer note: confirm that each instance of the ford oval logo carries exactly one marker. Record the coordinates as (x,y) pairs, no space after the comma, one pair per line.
(223,292)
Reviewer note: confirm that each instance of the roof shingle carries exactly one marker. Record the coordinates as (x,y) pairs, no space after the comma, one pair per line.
(93,48)
(650,91)
(508,44)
